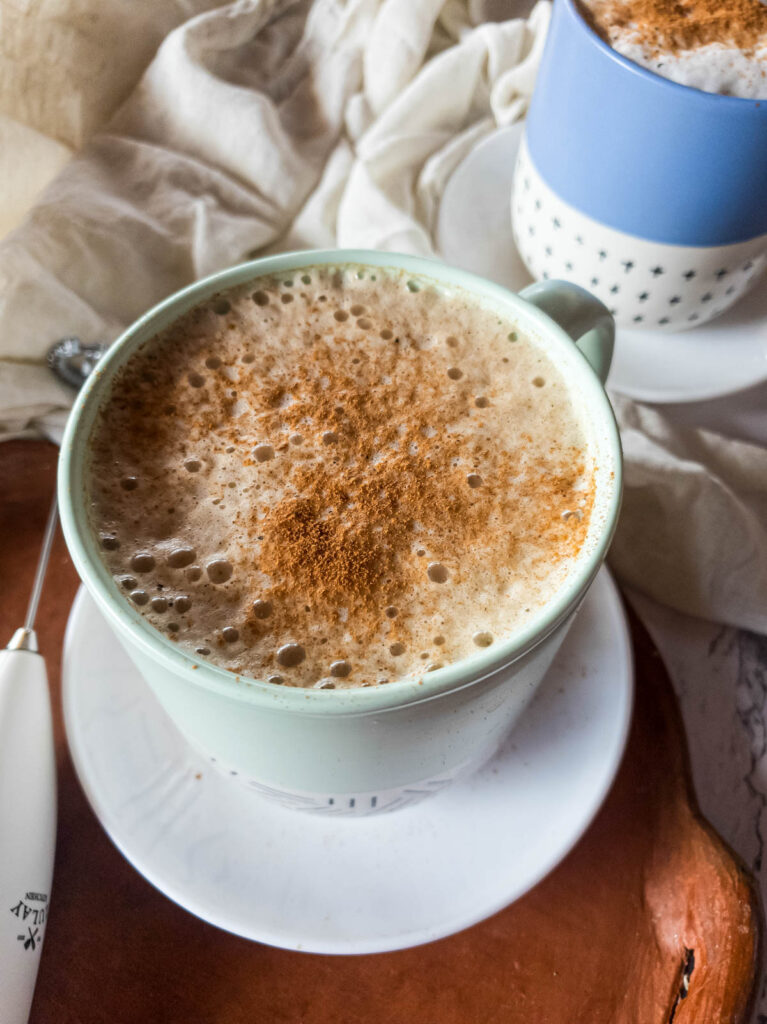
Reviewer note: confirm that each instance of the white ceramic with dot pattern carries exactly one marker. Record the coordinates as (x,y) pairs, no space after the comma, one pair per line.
(643,284)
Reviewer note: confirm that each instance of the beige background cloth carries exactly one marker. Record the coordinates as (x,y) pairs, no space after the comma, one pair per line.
(208,133)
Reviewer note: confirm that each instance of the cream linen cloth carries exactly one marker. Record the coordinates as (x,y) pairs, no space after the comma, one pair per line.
(269,124)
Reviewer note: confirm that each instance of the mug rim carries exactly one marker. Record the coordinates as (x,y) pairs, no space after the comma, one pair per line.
(694,94)
(133,626)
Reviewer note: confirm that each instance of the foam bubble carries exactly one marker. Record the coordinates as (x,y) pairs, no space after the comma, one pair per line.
(159,605)
(263,452)
(454,372)
(230,634)
(290,655)
(483,639)
(182,603)
(142,561)
(180,557)
(262,609)
(474,480)
(139,597)
(437,572)
(340,669)
(396,650)
(129,483)
(219,570)
(192,465)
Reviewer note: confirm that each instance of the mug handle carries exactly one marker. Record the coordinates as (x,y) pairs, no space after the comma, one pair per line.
(581,315)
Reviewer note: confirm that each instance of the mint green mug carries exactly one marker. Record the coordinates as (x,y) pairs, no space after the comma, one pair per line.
(366,750)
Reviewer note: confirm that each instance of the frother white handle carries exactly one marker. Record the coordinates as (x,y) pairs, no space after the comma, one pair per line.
(27,826)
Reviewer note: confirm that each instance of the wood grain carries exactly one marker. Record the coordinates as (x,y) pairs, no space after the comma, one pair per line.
(650,919)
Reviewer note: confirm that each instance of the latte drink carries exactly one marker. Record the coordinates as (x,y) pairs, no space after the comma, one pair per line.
(340,477)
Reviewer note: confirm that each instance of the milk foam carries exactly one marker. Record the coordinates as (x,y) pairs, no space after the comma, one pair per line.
(718,67)
(209,433)
(714,68)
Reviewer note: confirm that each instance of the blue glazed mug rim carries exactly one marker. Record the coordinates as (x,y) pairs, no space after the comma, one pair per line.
(691,93)
(134,627)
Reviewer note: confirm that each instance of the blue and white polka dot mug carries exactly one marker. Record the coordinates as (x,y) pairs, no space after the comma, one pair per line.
(652,195)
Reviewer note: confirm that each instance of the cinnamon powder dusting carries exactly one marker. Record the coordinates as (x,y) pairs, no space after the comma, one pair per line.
(374,471)
(673,26)
(348,536)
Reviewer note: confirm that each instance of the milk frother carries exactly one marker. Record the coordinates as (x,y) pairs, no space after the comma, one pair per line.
(27,805)
(28,768)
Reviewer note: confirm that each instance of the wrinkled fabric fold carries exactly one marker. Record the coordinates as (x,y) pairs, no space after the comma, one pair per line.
(693,532)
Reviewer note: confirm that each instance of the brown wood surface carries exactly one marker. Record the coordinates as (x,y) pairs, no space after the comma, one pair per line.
(648,895)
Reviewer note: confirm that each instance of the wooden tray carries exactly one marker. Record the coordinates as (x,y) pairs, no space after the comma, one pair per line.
(650,920)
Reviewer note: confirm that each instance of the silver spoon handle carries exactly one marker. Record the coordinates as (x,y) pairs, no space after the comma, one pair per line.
(42,565)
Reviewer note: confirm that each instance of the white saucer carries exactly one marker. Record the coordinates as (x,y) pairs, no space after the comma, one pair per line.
(362,885)
(716,359)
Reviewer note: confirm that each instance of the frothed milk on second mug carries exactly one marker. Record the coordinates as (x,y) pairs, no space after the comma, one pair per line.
(340,477)
(718,46)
